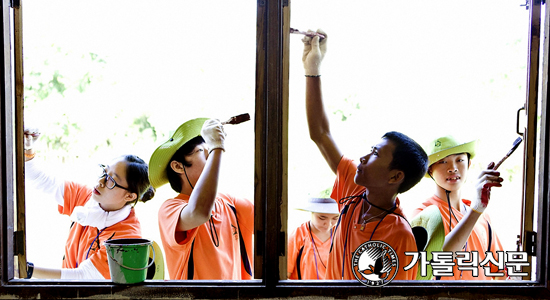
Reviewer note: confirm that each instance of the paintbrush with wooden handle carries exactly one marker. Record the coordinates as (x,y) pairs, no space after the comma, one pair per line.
(237,119)
(310,34)
(514,147)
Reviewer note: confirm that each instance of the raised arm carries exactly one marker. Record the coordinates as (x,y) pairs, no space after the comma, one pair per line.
(35,176)
(203,196)
(317,120)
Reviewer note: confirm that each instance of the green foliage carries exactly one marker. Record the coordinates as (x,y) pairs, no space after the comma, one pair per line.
(52,80)
(53,71)
(37,89)
(325,193)
(76,110)
(144,125)
(61,140)
(347,108)
(512,172)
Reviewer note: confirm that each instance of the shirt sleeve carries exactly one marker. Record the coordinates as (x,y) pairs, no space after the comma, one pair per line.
(45,183)
(86,270)
(168,218)
(75,194)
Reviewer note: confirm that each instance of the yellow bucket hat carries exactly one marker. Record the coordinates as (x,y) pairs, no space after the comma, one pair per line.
(162,155)
(448,145)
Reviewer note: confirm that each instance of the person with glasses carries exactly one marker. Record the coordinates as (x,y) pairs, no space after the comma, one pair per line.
(99,213)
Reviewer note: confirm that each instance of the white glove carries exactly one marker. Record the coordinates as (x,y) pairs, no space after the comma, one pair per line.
(31,135)
(314,52)
(487,179)
(213,134)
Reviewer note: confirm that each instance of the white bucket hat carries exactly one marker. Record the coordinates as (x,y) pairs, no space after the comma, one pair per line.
(320,205)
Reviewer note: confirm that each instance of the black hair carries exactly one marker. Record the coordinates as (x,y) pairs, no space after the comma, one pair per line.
(408,157)
(174,178)
(137,176)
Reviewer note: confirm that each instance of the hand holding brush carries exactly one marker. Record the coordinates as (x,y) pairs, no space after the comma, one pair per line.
(486,182)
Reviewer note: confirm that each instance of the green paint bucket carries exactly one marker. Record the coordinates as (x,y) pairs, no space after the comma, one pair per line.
(128,259)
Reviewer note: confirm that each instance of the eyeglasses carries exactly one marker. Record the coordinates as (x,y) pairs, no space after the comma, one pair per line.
(109,181)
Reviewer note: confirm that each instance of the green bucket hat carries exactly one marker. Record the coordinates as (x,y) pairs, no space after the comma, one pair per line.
(448,145)
(162,155)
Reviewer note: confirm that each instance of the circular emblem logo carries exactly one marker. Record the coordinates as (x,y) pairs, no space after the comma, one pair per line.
(374,263)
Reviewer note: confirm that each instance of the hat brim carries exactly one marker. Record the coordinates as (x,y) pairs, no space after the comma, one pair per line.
(322,208)
(430,219)
(162,155)
(469,147)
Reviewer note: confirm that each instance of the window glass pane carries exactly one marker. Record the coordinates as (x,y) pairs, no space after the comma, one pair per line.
(421,68)
(106,78)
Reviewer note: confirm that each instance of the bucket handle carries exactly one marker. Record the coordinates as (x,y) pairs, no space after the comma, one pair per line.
(135,269)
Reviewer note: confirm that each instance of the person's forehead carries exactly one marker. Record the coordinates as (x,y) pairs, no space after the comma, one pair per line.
(385,146)
(117,167)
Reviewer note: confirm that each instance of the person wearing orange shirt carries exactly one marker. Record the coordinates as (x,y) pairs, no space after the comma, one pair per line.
(101,213)
(366,191)
(309,244)
(205,234)
(467,227)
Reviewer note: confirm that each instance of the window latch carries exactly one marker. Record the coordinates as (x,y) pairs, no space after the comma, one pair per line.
(531,243)
(517,120)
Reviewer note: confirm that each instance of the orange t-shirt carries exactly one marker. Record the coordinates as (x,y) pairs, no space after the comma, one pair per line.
(306,260)
(83,241)
(393,230)
(478,240)
(221,249)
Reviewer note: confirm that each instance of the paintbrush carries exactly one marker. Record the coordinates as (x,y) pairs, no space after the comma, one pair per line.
(310,34)
(514,147)
(237,119)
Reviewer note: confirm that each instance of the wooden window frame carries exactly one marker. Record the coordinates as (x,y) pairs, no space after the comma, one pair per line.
(271,133)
